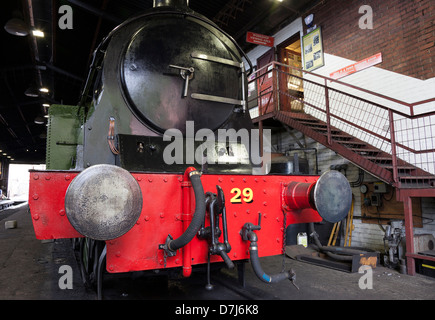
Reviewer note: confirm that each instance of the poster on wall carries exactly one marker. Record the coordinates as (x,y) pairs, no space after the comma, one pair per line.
(312,50)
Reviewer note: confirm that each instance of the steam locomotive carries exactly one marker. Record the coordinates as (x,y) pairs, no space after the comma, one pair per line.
(128,176)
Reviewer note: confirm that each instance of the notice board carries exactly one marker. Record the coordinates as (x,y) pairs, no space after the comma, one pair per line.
(312,50)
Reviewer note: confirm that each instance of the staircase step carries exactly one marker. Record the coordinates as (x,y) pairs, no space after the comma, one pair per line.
(324,130)
(417,178)
(362,150)
(390,167)
(351,143)
(379,159)
(307,121)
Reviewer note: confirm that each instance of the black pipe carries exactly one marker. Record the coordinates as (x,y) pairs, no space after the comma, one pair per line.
(256,266)
(336,253)
(198,216)
(249,234)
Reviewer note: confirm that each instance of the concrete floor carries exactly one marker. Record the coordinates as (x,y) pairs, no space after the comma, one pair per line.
(29,270)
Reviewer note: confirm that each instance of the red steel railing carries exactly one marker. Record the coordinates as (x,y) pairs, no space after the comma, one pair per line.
(403,130)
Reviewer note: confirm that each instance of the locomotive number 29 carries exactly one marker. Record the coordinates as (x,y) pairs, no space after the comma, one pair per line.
(247,193)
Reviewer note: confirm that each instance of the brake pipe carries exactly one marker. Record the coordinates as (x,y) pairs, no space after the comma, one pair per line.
(248,234)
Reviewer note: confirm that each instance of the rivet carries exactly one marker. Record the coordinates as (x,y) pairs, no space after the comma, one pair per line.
(265,203)
(36,177)
(47,177)
(118,254)
(147,218)
(162,215)
(264,191)
(62,212)
(232,179)
(111,267)
(165,180)
(35,196)
(150,179)
(248,212)
(67,177)
(35,216)
(139,178)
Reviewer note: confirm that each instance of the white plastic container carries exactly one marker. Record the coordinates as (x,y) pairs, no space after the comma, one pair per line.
(302,239)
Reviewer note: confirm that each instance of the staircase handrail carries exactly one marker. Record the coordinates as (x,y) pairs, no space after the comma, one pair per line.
(411,106)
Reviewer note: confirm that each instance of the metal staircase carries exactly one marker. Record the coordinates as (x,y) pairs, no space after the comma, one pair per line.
(390,139)
(371,159)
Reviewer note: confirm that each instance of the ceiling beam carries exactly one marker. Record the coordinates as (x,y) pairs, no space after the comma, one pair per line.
(96,11)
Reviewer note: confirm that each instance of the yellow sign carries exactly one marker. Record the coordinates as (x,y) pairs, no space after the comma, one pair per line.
(312,50)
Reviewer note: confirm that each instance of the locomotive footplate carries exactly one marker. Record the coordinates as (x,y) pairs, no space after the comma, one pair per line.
(163,196)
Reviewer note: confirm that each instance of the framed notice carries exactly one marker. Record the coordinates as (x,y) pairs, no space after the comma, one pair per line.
(312,50)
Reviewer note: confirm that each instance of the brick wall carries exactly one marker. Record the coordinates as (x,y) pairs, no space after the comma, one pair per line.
(403,30)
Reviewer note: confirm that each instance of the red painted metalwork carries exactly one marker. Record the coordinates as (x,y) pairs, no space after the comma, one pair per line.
(410,262)
(165,204)
(404,150)
(297,195)
(391,125)
(46,201)
(187,218)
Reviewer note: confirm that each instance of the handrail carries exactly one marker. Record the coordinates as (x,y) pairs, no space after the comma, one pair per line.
(344,109)
(411,106)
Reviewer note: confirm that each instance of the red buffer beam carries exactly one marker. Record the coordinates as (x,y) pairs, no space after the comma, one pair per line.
(164,210)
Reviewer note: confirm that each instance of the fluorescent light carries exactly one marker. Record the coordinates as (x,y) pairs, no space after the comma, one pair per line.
(44,90)
(17,27)
(46,105)
(38,33)
(32,92)
(39,120)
